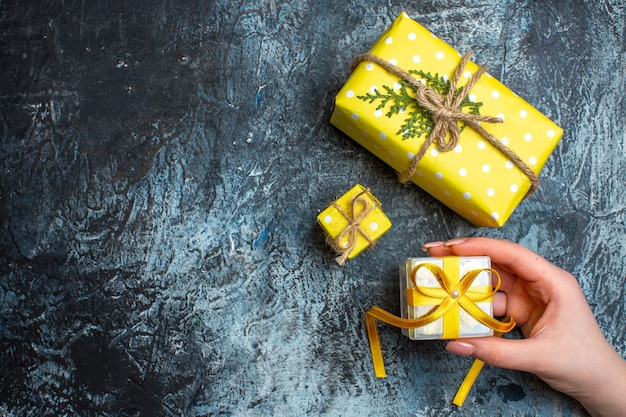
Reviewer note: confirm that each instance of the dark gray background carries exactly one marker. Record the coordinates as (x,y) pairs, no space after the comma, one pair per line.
(163,163)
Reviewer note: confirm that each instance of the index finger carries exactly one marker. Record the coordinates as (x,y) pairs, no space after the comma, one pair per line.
(510,257)
(506,277)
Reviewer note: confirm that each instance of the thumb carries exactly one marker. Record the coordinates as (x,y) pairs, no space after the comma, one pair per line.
(495,351)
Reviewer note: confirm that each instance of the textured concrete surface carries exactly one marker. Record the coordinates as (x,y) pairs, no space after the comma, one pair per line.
(162,167)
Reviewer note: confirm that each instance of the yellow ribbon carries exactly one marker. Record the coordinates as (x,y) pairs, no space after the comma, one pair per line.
(353,229)
(469,380)
(451,295)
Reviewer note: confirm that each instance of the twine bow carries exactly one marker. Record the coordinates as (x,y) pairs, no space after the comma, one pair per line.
(353,229)
(450,294)
(445,113)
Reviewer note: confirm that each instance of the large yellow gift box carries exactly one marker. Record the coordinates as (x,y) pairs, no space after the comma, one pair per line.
(482,179)
(354,222)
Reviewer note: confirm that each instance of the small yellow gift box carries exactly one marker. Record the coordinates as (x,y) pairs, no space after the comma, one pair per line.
(466,139)
(421,291)
(353,222)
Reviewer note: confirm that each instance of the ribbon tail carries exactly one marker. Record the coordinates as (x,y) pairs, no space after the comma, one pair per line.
(342,259)
(386,317)
(468,382)
(377,354)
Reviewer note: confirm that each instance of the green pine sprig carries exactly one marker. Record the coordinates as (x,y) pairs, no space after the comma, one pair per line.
(418,122)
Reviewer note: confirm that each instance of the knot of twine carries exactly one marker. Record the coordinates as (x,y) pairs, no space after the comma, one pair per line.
(353,229)
(445,113)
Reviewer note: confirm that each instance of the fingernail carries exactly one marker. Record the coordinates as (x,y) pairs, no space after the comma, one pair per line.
(430,245)
(456,241)
(460,348)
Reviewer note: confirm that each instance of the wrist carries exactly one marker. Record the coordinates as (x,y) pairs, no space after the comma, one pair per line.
(603,394)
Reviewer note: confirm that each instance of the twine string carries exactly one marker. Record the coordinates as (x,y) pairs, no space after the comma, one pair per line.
(353,229)
(445,113)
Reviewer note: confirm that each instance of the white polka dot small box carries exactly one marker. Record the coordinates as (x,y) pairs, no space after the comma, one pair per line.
(354,222)
(445,123)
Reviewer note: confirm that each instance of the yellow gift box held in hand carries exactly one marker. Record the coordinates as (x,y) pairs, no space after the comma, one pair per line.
(421,291)
(443,298)
(477,149)
(354,222)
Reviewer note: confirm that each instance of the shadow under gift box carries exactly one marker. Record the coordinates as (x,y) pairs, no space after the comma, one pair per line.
(476,180)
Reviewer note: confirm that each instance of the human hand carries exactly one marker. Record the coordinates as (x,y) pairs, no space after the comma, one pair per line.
(563,343)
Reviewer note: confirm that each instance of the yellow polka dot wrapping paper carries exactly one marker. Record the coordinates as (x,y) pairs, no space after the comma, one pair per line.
(474,179)
(339,217)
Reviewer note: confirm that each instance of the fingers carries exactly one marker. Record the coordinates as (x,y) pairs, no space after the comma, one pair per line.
(503,353)
(506,278)
(510,257)
(446,249)
(437,248)
(499,304)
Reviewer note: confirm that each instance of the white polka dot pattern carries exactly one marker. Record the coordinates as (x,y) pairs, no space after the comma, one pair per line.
(333,221)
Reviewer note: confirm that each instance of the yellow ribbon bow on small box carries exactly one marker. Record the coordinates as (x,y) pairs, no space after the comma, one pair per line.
(455,295)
